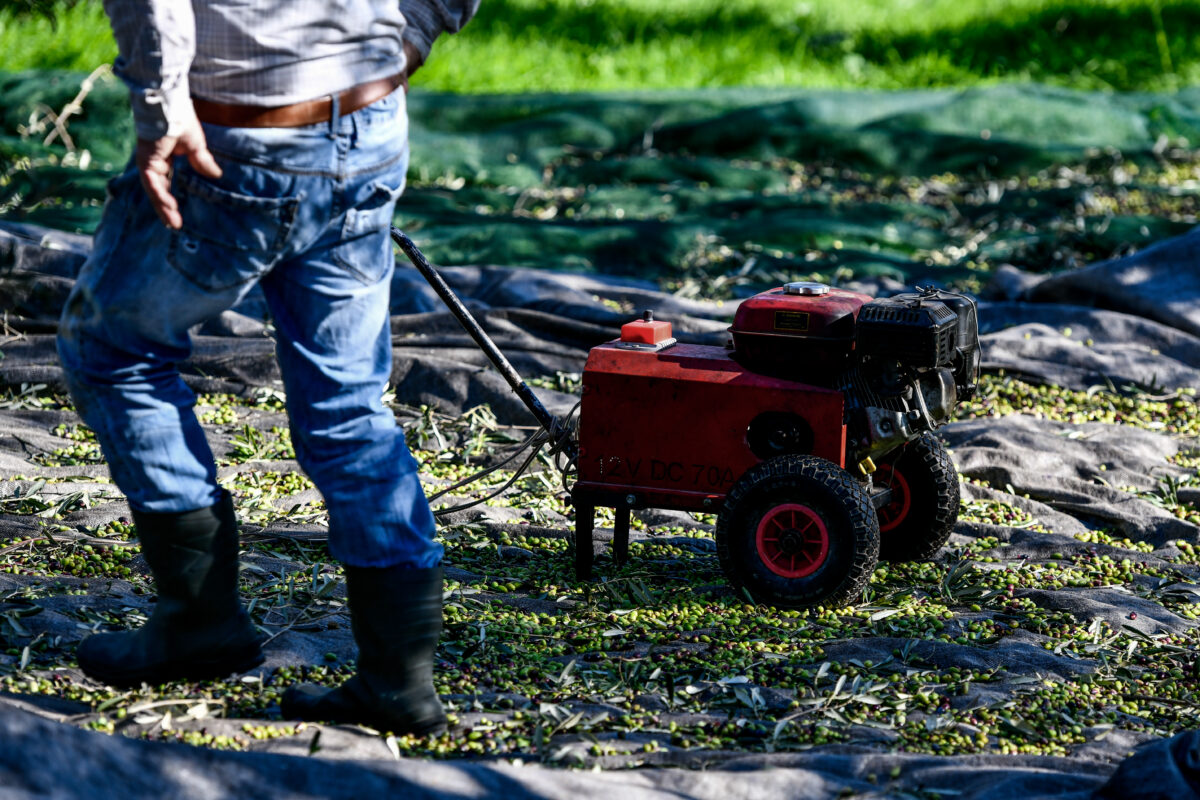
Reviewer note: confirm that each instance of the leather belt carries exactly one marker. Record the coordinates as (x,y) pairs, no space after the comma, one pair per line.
(309,112)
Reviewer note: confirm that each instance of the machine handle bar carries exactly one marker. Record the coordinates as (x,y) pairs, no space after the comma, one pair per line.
(560,437)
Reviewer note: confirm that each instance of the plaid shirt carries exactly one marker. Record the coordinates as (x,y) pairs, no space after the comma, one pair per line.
(263,52)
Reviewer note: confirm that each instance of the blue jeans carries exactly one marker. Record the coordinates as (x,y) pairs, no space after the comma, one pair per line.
(304,213)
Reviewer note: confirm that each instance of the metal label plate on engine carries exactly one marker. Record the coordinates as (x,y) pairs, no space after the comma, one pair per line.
(791,321)
(645,348)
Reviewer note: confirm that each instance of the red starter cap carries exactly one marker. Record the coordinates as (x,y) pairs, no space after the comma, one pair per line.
(646,330)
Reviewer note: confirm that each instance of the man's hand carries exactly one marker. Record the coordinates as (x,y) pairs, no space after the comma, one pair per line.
(154,167)
(412,61)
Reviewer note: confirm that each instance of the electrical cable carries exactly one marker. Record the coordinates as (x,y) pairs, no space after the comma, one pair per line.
(516,474)
(559,438)
(570,424)
(478,476)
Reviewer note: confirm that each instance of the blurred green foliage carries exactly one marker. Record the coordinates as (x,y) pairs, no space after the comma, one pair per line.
(572,45)
(54,34)
(691,186)
(718,192)
(36,8)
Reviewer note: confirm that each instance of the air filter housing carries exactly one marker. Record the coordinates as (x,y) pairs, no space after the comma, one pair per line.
(917,332)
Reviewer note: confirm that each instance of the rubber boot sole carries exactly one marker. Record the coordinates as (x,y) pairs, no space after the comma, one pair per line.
(198,669)
(336,706)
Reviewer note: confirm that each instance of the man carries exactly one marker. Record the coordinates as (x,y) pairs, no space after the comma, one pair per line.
(272,146)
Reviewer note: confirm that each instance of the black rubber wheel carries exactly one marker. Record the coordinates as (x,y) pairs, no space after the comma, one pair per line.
(798,531)
(924,506)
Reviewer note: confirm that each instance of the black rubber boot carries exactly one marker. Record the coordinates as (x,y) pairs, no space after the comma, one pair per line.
(198,629)
(396,615)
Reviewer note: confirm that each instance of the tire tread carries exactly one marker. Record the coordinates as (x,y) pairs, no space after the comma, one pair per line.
(932,457)
(783,471)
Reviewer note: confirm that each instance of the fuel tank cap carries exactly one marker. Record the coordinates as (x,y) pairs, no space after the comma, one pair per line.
(806,288)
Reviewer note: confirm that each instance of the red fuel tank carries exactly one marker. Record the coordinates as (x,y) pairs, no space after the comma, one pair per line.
(800,331)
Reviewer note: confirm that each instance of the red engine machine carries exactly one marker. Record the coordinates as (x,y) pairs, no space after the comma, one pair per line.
(810,435)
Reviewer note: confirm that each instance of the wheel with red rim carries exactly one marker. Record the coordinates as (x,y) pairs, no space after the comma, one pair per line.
(798,531)
(896,510)
(792,540)
(919,518)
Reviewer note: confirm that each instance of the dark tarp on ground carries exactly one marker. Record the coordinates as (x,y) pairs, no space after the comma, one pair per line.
(546,321)
(69,762)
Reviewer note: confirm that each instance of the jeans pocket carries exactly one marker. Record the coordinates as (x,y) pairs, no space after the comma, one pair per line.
(227,239)
(365,249)
(118,187)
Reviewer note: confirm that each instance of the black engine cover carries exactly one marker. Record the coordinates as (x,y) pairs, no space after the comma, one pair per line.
(918,333)
(931,329)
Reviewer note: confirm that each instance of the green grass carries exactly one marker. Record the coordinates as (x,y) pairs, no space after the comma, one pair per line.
(572,45)
(78,39)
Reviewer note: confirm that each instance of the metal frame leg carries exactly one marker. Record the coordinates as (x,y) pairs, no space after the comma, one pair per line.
(621,535)
(585,524)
